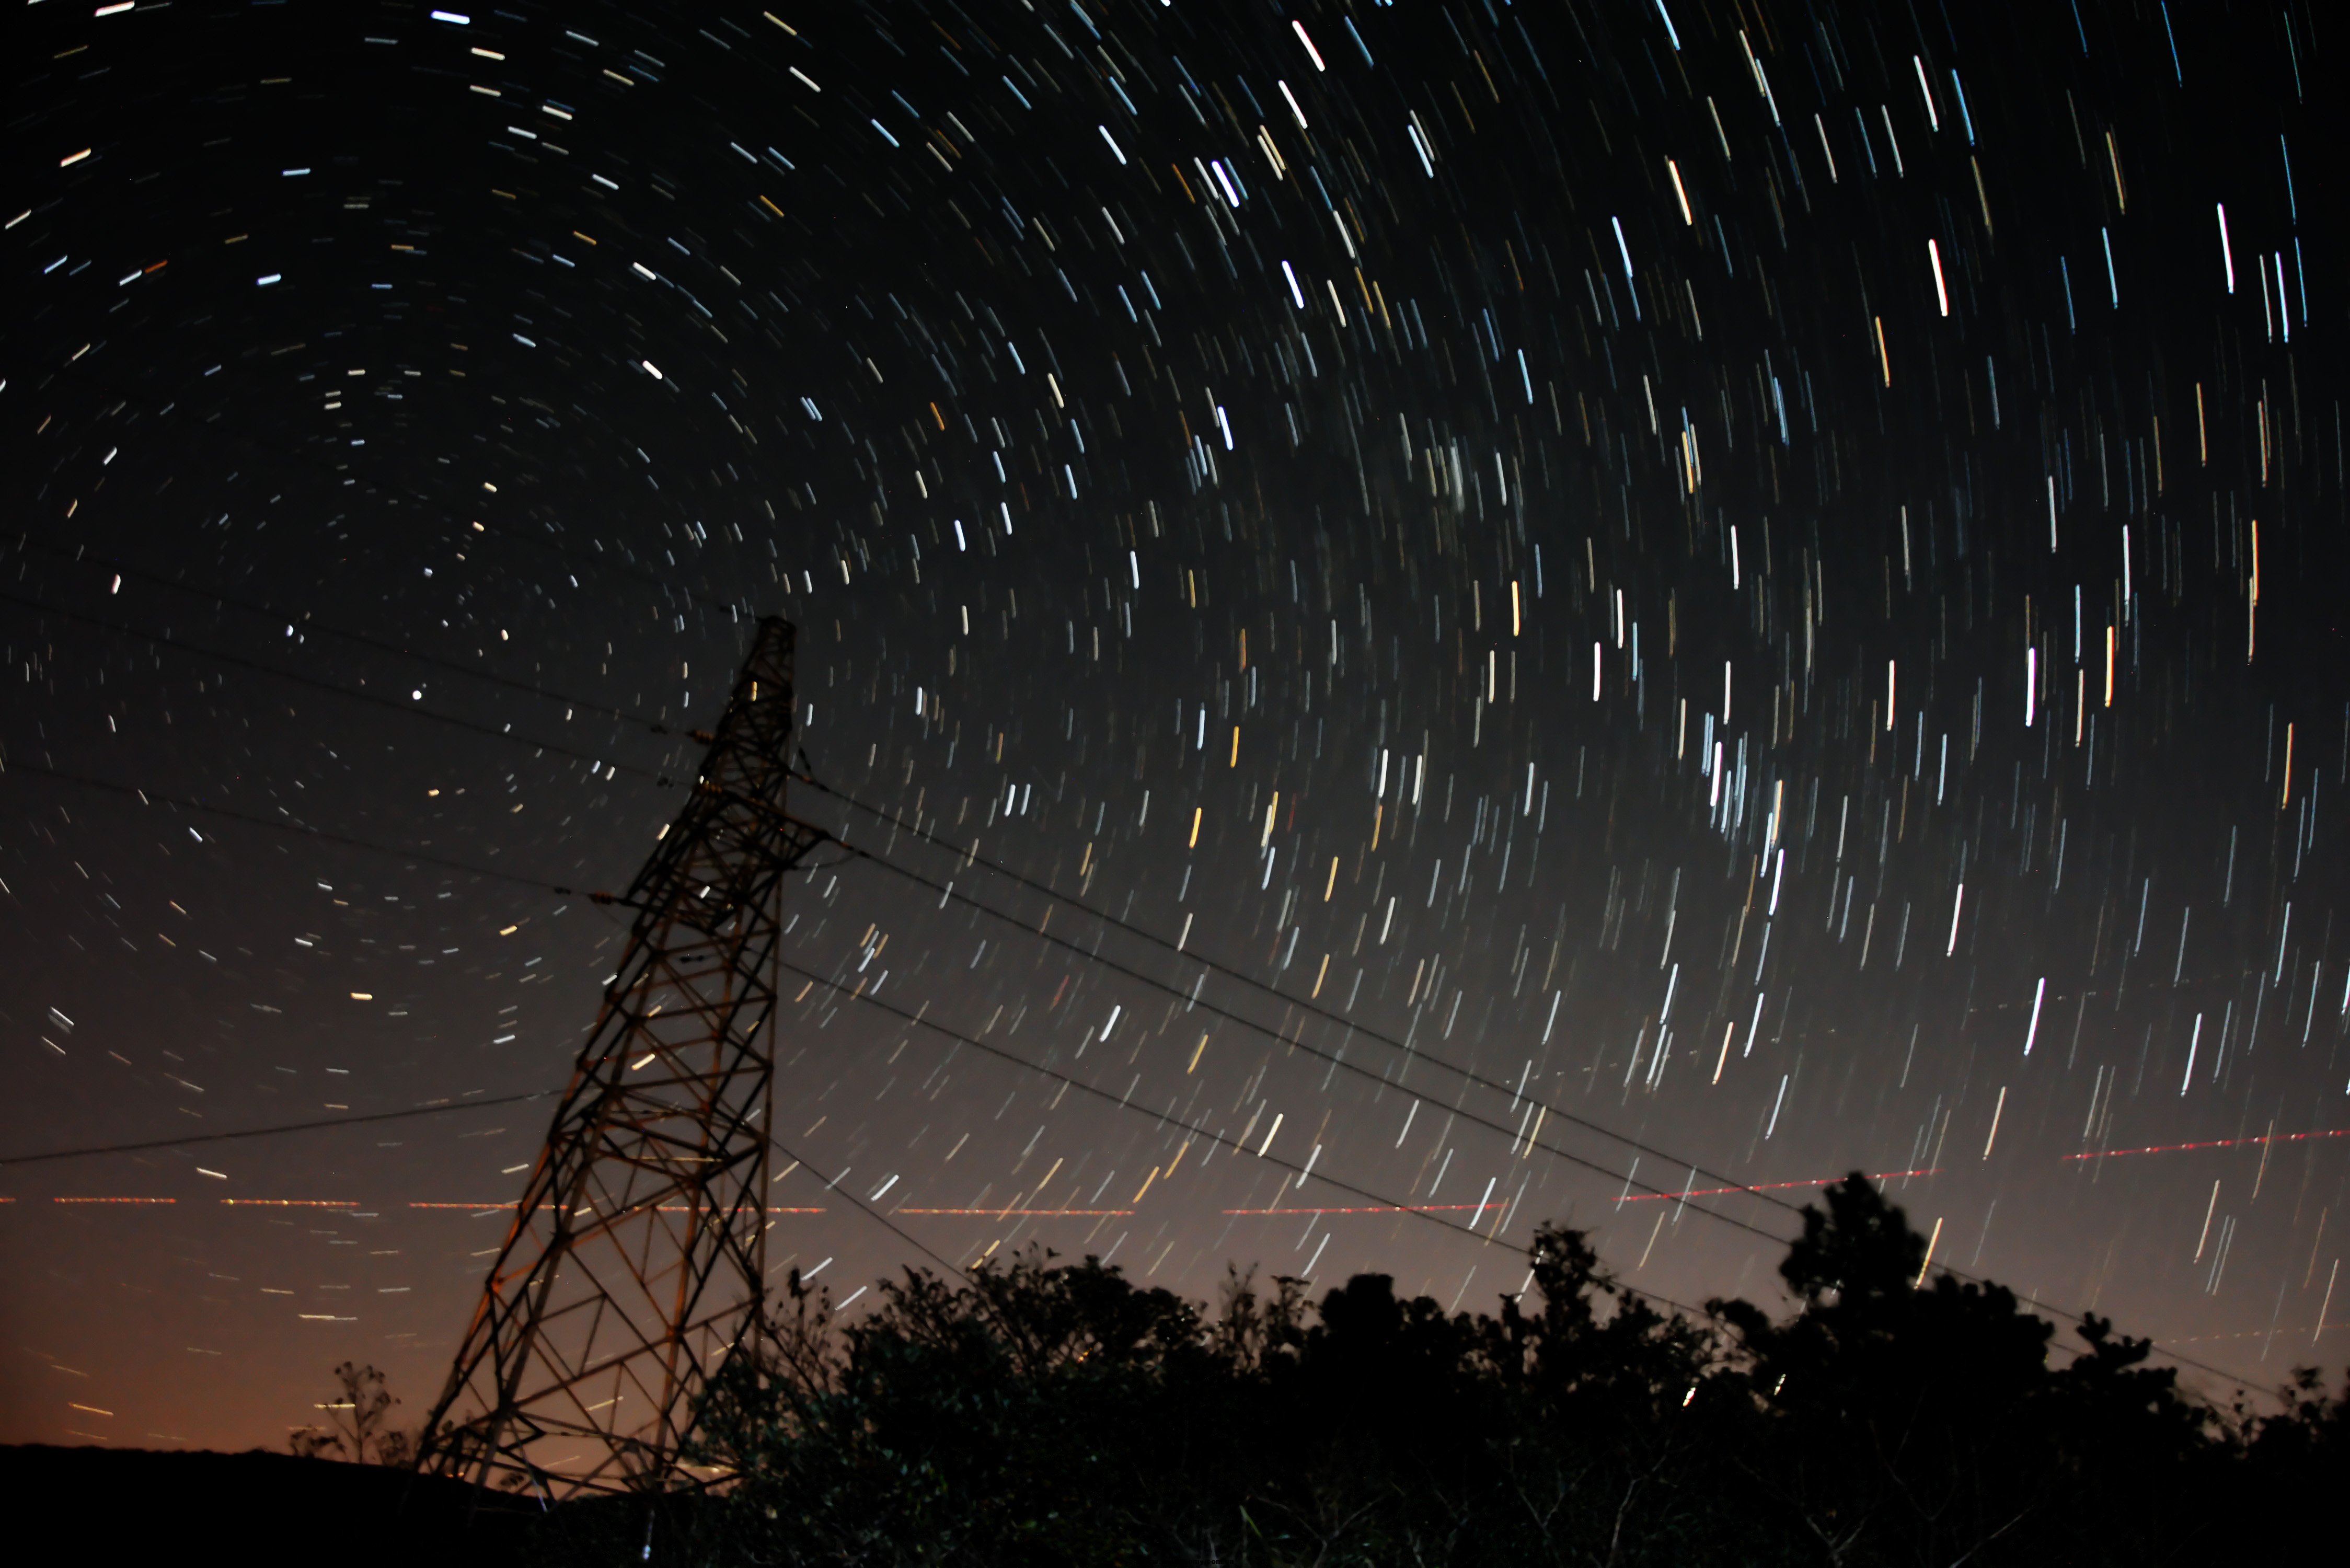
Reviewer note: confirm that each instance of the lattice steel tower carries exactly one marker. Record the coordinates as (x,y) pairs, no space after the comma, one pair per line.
(635,1265)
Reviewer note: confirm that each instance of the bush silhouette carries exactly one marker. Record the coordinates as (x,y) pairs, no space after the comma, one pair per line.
(358,1423)
(1046,1412)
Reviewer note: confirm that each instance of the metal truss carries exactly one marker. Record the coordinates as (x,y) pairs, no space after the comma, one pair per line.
(635,1266)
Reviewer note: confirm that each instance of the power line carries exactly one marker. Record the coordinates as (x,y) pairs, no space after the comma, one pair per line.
(1194,1130)
(831,1184)
(605,898)
(914,829)
(435,1110)
(859,853)
(919,1019)
(97,1149)
(808,777)
(946,891)
(1307,1006)
(922,1020)
(969,857)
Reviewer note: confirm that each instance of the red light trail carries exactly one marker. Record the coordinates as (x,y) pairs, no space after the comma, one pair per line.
(341,1203)
(1020,1213)
(1378,1209)
(2210,1143)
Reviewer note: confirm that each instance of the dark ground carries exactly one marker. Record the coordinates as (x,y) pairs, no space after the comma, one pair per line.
(141,1505)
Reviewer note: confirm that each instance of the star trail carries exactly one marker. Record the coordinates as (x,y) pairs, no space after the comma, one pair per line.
(1413,619)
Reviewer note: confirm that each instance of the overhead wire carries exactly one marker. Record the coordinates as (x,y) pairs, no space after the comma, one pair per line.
(1648,1189)
(147,1145)
(1192,1130)
(831,1184)
(922,1020)
(1336,1060)
(970,855)
(808,777)
(1306,1005)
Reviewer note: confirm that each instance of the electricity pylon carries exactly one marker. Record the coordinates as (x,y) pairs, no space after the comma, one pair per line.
(635,1266)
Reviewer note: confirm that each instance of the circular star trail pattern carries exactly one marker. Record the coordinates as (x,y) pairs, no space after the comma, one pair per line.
(1526,611)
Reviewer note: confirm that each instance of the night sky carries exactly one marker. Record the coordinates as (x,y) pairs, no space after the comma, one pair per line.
(1708,594)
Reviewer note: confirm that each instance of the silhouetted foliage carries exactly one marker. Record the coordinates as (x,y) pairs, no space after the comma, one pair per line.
(1049,1413)
(358,1423)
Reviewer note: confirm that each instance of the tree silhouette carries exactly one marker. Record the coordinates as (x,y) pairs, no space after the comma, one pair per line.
(358,1423)
(1043,1412)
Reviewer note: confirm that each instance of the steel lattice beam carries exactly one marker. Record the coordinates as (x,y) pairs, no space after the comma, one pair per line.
(635,1264)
